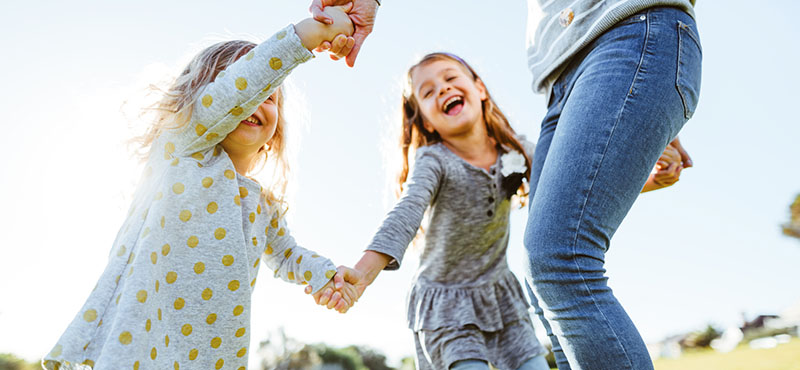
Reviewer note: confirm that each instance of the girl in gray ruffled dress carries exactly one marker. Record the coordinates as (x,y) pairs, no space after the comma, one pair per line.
(466,309)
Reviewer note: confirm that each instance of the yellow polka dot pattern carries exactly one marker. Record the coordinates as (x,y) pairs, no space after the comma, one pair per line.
(125,337)
(275,63)
(207,100)
(203,276)
(200,129)
(216,342)
(219,233)
(241,84)
(227,260)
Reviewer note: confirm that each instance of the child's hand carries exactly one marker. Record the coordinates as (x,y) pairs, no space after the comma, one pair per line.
(321,36)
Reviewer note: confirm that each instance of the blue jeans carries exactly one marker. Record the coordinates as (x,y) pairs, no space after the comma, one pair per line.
(619,102)
(535,363)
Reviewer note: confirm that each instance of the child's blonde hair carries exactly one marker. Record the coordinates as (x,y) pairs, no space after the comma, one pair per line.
(174,108)
(414,135)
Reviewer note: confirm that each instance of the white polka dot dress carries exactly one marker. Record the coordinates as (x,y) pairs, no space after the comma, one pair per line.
(176,291)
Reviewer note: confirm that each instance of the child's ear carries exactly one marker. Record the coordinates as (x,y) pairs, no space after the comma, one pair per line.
(481,89)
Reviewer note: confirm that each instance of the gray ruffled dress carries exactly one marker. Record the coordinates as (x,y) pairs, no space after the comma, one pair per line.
(464,303)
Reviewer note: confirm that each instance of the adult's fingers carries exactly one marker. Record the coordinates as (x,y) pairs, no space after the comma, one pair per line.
(685,158)
(316,11)
(359,36)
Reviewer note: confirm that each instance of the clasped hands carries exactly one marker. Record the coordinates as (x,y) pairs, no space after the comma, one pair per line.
(342,291)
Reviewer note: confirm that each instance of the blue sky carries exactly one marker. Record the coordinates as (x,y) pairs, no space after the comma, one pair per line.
(706,250)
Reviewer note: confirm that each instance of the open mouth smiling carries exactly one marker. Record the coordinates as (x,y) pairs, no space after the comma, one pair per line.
(453,105)
(251,121)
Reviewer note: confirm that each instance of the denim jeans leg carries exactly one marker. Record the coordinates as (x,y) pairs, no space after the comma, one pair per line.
(622,102)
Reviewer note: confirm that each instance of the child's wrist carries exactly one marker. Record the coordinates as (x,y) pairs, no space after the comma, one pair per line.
(308,30)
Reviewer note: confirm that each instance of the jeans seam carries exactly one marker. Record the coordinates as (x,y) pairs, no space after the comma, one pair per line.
(591,186)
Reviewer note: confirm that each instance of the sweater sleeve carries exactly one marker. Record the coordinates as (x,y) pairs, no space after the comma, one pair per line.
(401,224)
(293,263)
(237,92)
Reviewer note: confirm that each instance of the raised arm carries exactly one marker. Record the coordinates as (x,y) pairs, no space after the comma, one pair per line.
(237,91)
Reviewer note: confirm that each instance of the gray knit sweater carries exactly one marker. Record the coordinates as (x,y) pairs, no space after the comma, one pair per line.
(558,29)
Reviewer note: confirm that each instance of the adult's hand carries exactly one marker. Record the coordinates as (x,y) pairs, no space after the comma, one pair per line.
(685,159)
(362,15)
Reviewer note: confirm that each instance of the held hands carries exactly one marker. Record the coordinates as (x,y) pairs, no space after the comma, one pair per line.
(667,170)
(342,291)
(333,36)
(362,15)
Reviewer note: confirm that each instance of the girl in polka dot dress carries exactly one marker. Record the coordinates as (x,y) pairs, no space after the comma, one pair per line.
(176,291)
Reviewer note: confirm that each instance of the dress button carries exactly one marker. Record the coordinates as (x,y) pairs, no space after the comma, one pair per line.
(489,213)
(491,199)
(566,17)
(642,17)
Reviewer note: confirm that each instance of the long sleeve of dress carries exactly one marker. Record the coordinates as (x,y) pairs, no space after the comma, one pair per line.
(238,91)
(293,263)
(401,224)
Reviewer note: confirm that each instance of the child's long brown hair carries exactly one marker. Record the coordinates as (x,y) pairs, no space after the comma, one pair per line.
(414,135)
(174,108)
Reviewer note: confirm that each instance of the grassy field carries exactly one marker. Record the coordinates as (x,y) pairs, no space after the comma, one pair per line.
(783,357)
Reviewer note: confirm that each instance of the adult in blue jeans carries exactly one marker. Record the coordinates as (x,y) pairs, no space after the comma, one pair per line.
(623,77)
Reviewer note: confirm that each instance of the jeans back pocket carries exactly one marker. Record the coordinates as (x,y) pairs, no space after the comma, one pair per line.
(690,57)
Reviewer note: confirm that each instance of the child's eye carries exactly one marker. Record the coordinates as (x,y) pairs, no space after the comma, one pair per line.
(451,78)
(426,94)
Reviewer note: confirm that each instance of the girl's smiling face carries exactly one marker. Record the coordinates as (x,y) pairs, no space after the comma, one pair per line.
(255,131)
(449,98)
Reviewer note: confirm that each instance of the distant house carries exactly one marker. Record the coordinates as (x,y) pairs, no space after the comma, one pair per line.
(760,322)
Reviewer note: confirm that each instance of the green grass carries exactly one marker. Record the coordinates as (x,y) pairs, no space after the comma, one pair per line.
(783,357)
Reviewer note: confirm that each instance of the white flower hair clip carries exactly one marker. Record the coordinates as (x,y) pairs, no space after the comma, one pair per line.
(512,162)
